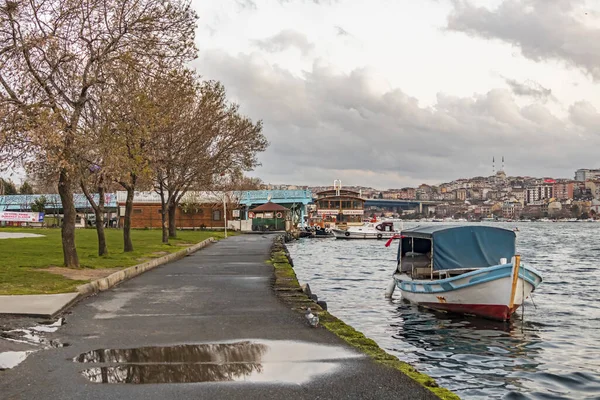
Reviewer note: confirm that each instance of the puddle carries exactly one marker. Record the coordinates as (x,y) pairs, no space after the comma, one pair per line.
(10,359)
(34,335)
(249,361)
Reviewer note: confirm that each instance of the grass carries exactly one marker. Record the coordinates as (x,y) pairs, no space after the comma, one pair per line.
(286,285)
(21,259)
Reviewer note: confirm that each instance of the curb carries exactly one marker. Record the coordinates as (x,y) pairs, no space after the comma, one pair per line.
(115,278)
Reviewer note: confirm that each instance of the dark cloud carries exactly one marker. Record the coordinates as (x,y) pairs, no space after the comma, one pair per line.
(529,88)
(542,29)
(284,40)
(326,125)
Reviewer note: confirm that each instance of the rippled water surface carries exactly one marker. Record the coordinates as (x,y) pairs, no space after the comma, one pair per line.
(552,351)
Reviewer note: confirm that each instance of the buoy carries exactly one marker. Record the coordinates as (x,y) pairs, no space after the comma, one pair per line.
(390,289)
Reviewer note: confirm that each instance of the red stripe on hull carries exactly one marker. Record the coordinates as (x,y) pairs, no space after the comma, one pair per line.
(491,311)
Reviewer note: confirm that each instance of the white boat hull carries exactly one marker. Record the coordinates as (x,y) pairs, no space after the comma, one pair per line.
(340,234)
(486,292)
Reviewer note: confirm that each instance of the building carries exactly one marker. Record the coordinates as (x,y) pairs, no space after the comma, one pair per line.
(593,186)
(196,210)
(270,217)
(537,194)
(584,174)
(519,194)
(563,190)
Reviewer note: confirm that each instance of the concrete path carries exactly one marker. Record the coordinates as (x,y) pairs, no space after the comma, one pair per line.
(212,320)
(39,305)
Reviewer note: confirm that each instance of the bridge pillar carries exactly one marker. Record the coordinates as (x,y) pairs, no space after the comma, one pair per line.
(420,208)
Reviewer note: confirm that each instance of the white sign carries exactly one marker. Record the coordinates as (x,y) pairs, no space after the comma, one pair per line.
(236,213)
(268,215)
(16,216)
(353,212)
(328,212)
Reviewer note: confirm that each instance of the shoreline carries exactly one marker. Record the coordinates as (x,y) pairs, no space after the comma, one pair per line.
(288,289)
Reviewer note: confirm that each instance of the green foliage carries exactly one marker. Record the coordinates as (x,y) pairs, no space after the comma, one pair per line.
(26,188)
(22,259)
(39,205)
(7,187)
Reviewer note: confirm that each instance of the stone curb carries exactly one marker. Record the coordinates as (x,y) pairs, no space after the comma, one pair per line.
(115,278)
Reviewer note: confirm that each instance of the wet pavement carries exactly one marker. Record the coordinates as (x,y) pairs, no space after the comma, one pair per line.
(206,326)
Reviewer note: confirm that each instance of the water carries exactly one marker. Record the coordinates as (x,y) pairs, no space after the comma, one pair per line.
(550,352)
(267,361)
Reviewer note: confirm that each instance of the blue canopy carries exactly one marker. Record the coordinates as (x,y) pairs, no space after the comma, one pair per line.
(456,247)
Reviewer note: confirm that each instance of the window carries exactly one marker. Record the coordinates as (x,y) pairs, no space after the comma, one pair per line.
(137,210)
(216,215)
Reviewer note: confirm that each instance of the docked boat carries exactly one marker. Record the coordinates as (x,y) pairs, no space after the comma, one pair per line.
(463,269)
(369,230)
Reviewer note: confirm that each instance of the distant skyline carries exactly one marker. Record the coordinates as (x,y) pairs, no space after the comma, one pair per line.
(393,94)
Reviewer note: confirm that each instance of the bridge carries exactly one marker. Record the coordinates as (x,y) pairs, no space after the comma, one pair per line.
(400,204)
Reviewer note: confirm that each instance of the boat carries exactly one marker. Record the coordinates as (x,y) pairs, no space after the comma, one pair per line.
(369,230)
(462,269)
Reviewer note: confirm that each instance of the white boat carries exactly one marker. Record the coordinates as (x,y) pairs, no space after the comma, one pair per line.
(369,230)
(463,269)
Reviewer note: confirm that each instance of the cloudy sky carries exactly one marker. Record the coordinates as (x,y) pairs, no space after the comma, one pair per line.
(393,93)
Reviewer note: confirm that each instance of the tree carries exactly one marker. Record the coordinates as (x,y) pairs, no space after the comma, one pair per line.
(39,204)
(97,179)
(206,137)
(56,56)
(26,188)
(7,187)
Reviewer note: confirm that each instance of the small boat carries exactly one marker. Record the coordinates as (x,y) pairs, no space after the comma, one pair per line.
(369,230)
(463,269)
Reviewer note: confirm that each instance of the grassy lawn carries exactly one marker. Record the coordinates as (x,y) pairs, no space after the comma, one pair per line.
(21,259)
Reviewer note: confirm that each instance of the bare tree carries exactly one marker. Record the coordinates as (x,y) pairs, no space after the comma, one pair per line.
(54,58)
(208,137)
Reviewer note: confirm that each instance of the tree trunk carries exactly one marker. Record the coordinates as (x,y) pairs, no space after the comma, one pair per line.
(163,216)
(99,211)
(127,243)
(172,221)
(65,191)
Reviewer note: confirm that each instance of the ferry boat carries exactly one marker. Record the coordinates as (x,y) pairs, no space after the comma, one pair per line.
(462,269)
(339,208)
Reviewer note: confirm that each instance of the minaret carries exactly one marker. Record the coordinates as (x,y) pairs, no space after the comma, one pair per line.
(502,163)
(493,166)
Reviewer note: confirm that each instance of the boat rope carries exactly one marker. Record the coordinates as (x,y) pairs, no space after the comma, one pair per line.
(534,305)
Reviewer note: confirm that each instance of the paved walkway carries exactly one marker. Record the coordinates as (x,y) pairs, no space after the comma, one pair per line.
(176,319)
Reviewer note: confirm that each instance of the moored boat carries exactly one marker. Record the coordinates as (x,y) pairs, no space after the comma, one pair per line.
(463,269)
(369,230)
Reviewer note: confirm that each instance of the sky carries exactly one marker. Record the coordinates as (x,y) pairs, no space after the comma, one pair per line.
(395,93)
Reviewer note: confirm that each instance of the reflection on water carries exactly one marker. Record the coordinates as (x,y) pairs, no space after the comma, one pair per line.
(552,351)
(267,361)
(215,353)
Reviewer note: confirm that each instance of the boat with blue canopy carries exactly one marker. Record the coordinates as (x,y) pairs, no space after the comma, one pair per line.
(463,269)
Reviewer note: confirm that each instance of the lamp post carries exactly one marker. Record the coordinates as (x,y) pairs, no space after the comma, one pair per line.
(225,211)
